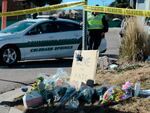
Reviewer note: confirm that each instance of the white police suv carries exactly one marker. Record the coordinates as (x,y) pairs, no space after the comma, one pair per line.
(32,39)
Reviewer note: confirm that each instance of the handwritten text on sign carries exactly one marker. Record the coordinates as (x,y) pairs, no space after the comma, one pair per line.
(85,68)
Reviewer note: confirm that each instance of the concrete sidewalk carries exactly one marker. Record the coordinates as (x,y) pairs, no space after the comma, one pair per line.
(9,97)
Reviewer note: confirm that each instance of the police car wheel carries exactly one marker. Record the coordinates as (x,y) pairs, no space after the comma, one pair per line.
(9,56)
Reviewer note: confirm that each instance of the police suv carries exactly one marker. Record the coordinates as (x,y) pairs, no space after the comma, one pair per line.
(40,38)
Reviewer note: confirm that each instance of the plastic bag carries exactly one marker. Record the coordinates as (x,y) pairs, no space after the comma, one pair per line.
(85,94)
(73,103)
(59,79)
(69,94)
(100,91)
(32,99)
(60,73)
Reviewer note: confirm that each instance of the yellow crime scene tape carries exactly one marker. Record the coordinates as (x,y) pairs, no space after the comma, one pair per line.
(42,9)
(103,9)
(119,11)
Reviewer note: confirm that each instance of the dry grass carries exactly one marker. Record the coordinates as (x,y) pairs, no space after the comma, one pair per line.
(142,74)
(135,42)
(135,104)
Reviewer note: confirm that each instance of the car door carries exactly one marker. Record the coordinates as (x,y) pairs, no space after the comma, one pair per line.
(53,39)
(40,41)
(71,34)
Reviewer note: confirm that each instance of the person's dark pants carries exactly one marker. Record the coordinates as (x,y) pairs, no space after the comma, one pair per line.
(95,38)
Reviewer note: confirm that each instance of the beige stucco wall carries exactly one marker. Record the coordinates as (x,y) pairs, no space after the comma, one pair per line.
(143,6)
(147,4)
(140,5)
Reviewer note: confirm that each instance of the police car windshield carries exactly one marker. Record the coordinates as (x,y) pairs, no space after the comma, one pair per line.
(17,27)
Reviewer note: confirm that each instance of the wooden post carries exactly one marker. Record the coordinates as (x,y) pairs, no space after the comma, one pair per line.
(4,18)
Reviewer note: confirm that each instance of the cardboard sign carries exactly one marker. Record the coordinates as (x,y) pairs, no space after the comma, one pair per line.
(84,66)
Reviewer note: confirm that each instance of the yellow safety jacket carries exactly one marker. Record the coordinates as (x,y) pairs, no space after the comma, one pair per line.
(95,22)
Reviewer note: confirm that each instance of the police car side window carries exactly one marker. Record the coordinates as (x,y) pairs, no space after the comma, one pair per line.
(68,26)
(34,31)
(49,27)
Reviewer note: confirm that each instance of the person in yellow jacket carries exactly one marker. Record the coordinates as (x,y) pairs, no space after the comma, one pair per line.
(97,27)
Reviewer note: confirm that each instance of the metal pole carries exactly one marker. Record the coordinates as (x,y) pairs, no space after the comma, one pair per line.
(84,34)
(4,18)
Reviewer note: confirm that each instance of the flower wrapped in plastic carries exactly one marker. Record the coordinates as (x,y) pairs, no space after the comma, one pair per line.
(113,95)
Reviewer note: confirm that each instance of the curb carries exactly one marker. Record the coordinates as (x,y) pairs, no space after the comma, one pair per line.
(9,97)
(14,110)
(4,109)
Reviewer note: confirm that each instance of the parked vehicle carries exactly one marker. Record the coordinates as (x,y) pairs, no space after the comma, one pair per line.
(33,39)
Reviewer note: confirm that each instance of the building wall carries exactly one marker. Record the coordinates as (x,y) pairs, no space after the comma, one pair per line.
(140,4)
(143,5)
(147,3)
(14,6)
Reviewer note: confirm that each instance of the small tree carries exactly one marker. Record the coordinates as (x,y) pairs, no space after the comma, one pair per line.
(120,3)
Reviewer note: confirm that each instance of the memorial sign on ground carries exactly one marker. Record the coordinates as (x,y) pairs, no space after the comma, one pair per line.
(84,66)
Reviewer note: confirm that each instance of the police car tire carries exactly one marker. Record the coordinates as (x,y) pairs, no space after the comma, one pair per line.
(13,56)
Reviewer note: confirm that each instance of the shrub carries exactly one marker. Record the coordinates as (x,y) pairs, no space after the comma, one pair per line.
(135,43)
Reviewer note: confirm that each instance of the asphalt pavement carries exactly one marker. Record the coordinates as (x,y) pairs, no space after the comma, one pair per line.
(26,72)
